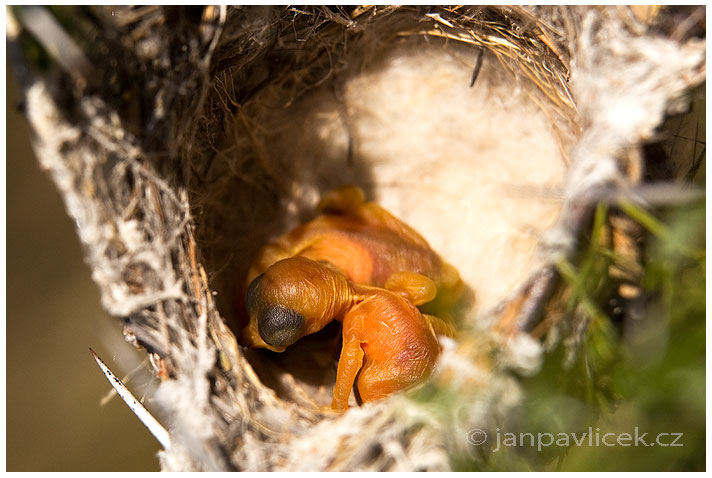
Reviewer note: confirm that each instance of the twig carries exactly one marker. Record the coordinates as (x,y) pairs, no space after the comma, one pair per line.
(139,410)
(58,44)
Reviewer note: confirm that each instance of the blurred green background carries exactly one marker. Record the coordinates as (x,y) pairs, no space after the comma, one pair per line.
(54,421)
(640,373)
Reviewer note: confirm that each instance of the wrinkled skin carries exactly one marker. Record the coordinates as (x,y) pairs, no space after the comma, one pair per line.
(367,244)
(387,341)
(359,265)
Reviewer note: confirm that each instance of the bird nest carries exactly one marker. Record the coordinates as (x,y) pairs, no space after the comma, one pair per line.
(183,139)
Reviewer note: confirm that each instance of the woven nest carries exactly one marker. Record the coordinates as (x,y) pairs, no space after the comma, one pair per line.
(182,139)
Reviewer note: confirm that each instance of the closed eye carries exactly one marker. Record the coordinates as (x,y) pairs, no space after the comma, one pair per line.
(280,326)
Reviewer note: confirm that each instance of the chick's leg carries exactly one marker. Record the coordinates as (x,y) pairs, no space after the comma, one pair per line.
(343,200)
(413,286)
(350,363)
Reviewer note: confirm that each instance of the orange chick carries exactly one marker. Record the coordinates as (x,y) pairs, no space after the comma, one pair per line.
(388,344)
(368,244)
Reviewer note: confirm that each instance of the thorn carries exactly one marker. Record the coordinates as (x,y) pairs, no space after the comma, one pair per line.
(139,410)
(478,65)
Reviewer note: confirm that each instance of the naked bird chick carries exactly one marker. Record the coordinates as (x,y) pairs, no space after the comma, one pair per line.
(359,265)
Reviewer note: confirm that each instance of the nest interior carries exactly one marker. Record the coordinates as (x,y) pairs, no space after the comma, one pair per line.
(390,104)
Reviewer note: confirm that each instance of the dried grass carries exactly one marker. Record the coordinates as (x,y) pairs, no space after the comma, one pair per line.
(163,162)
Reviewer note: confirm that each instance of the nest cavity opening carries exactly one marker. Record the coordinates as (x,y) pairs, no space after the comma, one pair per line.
(445,119)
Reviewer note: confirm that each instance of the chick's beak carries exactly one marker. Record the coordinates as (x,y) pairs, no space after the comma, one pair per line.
(251,338)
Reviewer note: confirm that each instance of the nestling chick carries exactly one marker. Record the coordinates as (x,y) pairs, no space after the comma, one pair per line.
(359,265)
(367,244)
(387,341)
